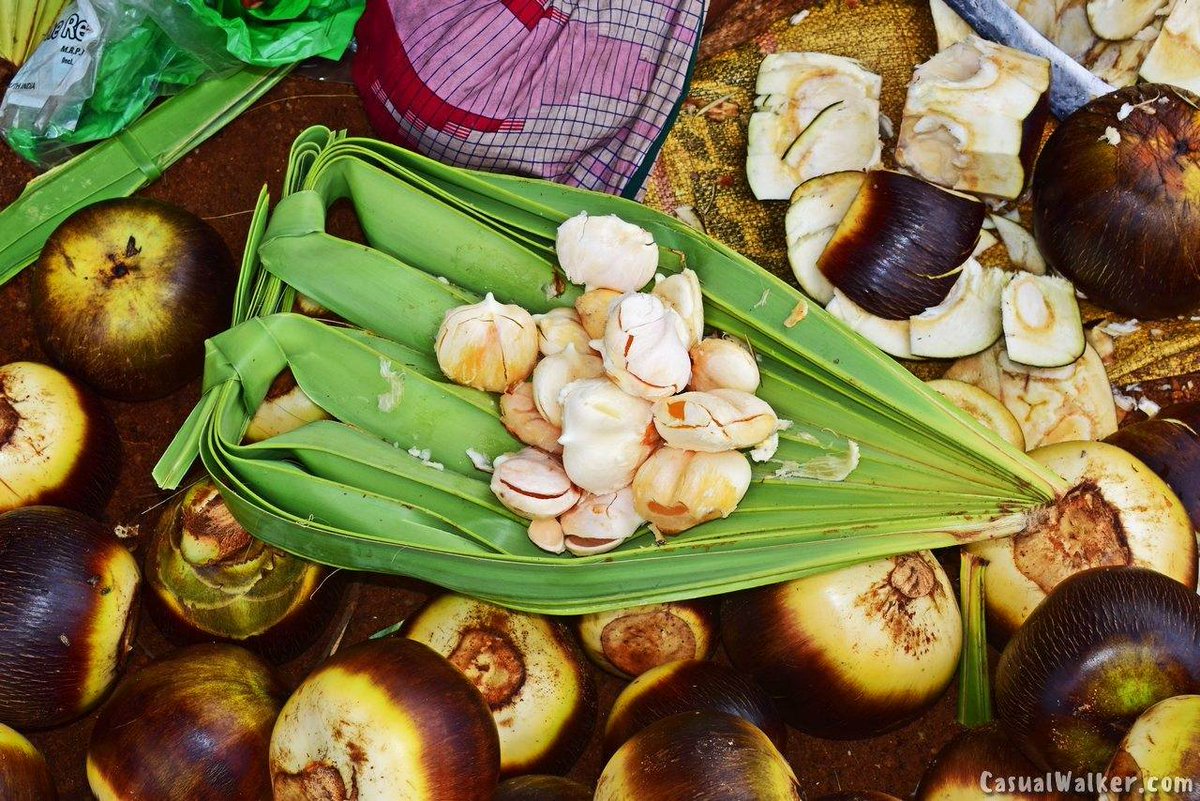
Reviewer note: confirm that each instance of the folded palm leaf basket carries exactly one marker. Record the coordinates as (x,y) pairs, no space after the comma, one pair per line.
(348,492)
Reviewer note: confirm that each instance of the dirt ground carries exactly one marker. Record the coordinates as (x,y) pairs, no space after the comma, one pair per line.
(220,181)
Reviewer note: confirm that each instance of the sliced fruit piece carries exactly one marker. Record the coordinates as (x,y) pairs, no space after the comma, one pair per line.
(1058,404)
(897,250)
(974,117)
(782,73)
(890,336)
(1063,22)
(844,136)
(950,27)
(1121,19)
(1118,62)
(818,205)
(1042,326)
(986,410)
(967,321)
(987,241)
(808,103)
(1022,248)
(1117,512)
(1175,56)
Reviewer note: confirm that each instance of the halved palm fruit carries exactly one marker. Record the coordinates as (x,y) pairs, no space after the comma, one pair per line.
(1117,512)
(529,670)
(818,206)
(817,114)
(985,409)
(897,250)
(967,321)
(1042,326)
(1121,19)
(974,116)
(1175,56)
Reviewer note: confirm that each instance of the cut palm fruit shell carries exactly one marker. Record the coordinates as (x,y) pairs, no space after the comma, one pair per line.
(974,116)
(817,113)
(1057,404)
(897,250)
(1175,56)
(1021,246)
(985,409)
(818,206)
(1042,326)
(893,337)
(1118,63)
(967,321)
(1118,513)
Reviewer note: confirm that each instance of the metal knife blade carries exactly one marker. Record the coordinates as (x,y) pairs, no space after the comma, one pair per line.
(1071,85)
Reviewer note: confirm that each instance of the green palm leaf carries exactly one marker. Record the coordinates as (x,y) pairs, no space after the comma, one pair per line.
(351,493)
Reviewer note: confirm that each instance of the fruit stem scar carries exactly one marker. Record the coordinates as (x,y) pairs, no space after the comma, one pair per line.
(9,420)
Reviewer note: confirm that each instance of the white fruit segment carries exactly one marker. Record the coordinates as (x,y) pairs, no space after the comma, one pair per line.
(606,252)
(983,408)
(645,347)
(967,321)
(1175,56)
(817,114)
(965,117)
(818,205)
(719,363)
(890,336)
(606,435)
(1022,248)
(1121,19)
(1042,326)
(1052,404)
(681,292)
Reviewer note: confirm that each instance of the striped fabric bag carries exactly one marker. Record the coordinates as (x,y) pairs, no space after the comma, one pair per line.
(577,91)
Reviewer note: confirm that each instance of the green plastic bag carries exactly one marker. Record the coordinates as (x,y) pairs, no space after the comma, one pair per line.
(105,61)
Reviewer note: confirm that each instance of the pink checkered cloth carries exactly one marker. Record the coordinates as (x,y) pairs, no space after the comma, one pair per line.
(576,91)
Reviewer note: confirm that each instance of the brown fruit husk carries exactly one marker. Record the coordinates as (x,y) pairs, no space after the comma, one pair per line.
(68,613)
(689,686)
(195,725)
(628,642)
(698,756)
(873,257)
(1105,646)
(850,653)
(126,291)
(1122,219)
(58,444)
(382,709)
(24,775)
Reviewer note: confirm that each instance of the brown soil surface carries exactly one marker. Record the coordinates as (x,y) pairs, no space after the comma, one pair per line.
(220,181)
